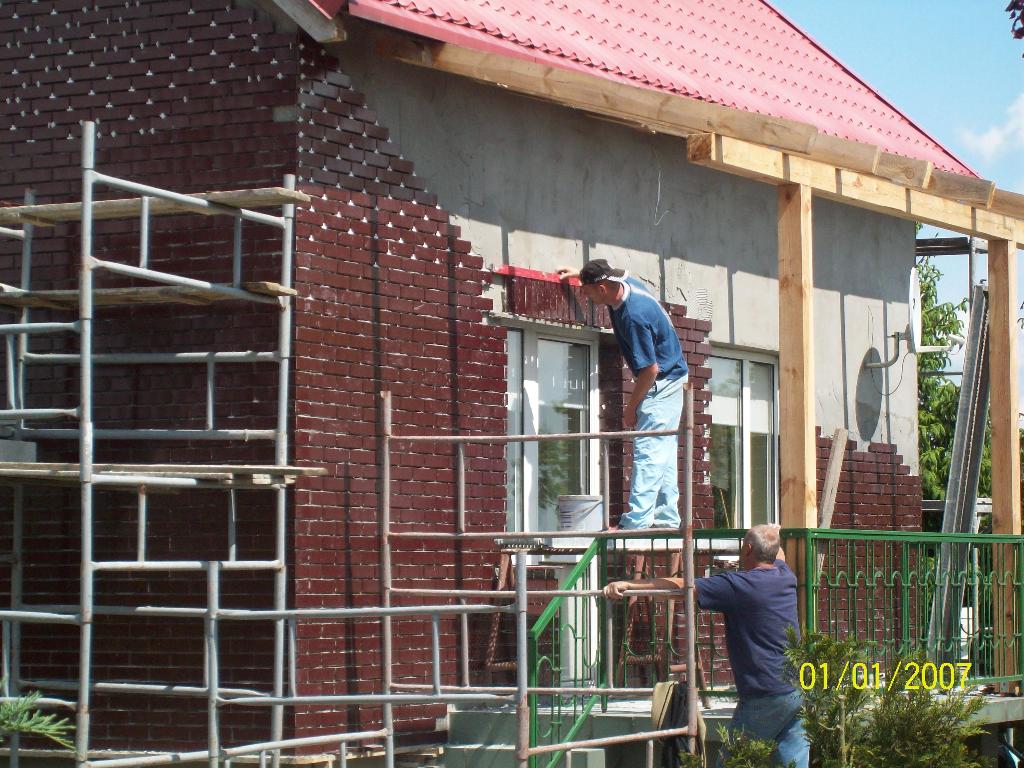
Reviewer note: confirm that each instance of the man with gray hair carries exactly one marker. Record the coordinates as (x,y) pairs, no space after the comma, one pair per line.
(759,604)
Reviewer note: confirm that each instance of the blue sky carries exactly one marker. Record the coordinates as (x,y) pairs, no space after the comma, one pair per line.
(952,67)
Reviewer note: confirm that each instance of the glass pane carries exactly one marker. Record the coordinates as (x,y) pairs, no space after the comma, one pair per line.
(564,395)
(762,443)
(726,442)
(514,451)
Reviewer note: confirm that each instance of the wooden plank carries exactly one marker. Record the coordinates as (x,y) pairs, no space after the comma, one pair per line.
(1009,203)
(117,297)
(831,485)
(861,190)
(967,189)
(855,155)
(53,213)
(796,359)
(904,170)
(268,288)
(1002,276)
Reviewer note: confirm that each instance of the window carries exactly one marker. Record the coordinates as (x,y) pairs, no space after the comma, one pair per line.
(552,389)
(744,468)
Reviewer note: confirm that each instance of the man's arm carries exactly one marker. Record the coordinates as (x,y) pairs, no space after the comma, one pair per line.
(645,379)
(614,589)
(567,273)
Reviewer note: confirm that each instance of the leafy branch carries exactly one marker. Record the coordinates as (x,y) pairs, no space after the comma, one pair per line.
(21,716)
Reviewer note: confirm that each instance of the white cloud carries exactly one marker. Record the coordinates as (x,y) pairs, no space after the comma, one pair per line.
(1001,138)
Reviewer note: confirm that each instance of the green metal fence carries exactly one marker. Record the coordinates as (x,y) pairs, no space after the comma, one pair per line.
(956,598)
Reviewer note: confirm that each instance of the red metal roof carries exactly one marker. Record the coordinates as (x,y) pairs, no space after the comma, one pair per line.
(738,53)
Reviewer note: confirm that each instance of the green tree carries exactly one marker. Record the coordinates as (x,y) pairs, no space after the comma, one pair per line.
(937,396)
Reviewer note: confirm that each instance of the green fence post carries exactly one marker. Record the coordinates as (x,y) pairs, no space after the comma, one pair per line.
(1019,586)
(905,598)
(811,583)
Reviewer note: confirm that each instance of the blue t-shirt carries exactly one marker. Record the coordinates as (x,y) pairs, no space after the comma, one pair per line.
(759,605)
(645,334)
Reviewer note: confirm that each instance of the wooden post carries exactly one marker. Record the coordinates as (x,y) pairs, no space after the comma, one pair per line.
(1002,293)
(796,360)
(1002,277)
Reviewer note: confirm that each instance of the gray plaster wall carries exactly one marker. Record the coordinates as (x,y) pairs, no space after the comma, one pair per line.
(539,185)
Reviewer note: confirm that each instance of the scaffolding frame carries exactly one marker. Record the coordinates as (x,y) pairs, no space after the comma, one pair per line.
(90,475)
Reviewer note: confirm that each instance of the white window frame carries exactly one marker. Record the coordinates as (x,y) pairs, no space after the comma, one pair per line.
(745,359)
(532,333)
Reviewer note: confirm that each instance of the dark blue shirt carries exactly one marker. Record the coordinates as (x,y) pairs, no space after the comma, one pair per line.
(645,334)
(759,605)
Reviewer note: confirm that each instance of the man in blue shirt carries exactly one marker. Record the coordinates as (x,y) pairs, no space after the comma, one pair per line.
(759,603)
(649,343)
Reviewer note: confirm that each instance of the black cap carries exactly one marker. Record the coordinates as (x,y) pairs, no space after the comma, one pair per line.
(596,270)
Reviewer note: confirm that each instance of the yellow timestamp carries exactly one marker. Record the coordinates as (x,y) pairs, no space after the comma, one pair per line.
(862,676)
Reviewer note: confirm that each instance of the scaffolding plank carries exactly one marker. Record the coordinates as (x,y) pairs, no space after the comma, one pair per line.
(116,297)
(55,213)
(214,475)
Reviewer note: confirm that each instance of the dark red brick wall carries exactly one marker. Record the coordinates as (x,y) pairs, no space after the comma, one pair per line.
(390,301)
(876,489)
(184,94)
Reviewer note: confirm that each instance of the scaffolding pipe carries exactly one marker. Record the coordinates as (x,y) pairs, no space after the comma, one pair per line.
(503,439)
(522,660)
(144,231)
(17,234)
(153,689)
(249,749)
(26,284)
(212,662)
(85,444)
(243,435)
(197,203)
(167,278)
(284,348)
(184,565)
(688,574)
(156,358)
(140,533)
(366,699)
(39,413)
(385,565)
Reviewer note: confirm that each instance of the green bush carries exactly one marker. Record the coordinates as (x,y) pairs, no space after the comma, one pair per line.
(883,727)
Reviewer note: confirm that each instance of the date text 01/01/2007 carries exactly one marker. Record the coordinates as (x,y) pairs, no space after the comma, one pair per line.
(861,676)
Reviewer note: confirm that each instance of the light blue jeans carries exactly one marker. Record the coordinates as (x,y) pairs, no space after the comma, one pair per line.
(775,718)
(654,491)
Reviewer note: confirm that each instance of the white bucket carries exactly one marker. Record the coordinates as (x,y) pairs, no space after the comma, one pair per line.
(579,513)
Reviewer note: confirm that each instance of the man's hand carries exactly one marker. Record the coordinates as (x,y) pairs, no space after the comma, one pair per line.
(615,590)
(567,273)
(628,419)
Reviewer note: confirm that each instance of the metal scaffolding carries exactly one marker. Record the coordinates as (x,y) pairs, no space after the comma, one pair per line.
(89,475)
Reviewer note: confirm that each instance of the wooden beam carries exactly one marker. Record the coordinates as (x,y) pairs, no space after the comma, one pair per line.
(796,359)
(1002,292)
(773,166)
(1009,203)
(855,155)
(310,19)
(642,107)
(904,170)
(967,189)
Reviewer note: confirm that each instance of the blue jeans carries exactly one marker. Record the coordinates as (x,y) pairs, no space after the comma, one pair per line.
(654,490)
(775,718)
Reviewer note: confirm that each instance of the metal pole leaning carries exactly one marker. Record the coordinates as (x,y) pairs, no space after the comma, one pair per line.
(85,444)
(17,528)
(688,575)
(385,568)
(522,673)
(284,348)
